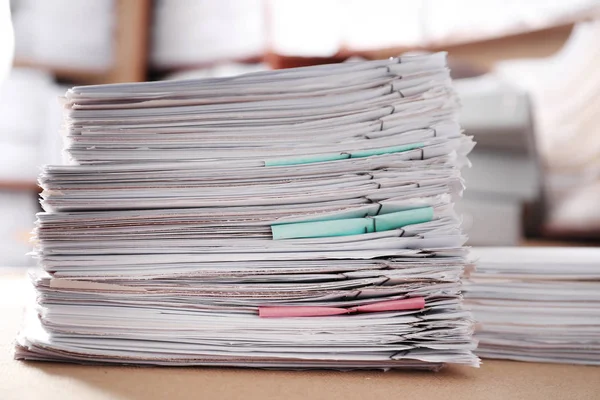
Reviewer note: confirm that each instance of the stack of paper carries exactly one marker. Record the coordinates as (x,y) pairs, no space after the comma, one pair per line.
(17,212)
(505,174)
(193,33)
(566,127)
(295,218)
(28,138)
(64,34)
(27,98)
(537,304)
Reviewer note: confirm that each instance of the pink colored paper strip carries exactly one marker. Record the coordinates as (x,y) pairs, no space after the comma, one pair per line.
(413,303)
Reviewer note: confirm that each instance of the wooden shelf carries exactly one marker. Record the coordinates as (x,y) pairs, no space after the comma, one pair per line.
(131,41)
(19,185)
(478,53)
(67,74)
(589,237)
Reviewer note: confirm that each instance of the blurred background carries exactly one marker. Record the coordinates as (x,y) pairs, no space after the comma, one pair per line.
(527,72)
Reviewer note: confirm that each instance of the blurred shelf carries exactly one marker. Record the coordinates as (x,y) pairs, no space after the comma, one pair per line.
(19,185)
(570,242)
(132,35)
(479,52)
(65,73)
(485,53)
(584,237)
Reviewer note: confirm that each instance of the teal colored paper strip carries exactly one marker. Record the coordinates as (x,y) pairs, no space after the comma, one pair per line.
(386,150)
(306,159)
(342,156)
(352,226)
(340,227)
(387,222)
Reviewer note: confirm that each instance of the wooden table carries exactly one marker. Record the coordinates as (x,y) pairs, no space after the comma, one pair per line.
(494,380)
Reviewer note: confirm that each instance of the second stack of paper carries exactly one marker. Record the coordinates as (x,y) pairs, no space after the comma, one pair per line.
(537,304)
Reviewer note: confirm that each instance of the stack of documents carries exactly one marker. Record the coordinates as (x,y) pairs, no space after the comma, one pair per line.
(505,176)
(28,138)
(295,218)
(199,33)
(537,304)
(566,121)
(65,35)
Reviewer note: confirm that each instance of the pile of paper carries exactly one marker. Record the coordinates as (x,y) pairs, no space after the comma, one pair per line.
(537,304)
(195,33)
(506,173)
(295,218)
(566,127)
(65,35)
(29,120)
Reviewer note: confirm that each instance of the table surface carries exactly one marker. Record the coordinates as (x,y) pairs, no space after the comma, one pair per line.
(494,380)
